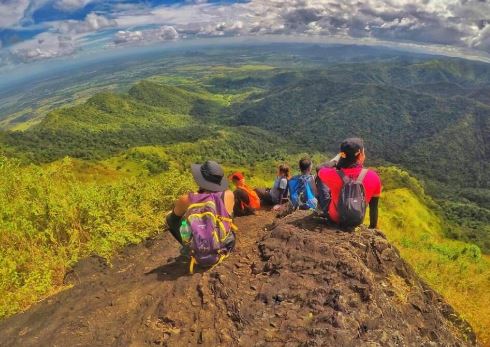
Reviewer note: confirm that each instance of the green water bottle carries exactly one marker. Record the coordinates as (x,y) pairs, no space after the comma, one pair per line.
(185,231)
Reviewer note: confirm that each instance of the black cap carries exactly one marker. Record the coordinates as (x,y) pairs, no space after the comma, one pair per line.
(351,147)
(210,176)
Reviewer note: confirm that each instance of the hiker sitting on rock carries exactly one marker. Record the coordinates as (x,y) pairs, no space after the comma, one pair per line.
(302,188)
(202,222)
(351,187)
(246,199)
(278,194)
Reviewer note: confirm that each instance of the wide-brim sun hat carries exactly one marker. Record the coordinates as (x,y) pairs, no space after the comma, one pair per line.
(210,176)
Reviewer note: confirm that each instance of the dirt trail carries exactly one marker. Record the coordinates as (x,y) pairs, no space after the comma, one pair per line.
(297,283)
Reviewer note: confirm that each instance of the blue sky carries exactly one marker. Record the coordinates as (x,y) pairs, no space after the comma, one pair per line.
(34,30)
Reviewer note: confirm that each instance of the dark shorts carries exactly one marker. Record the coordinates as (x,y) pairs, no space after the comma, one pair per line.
(265,196)
(242,201)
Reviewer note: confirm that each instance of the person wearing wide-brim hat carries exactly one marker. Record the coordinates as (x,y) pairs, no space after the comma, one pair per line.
(210,178)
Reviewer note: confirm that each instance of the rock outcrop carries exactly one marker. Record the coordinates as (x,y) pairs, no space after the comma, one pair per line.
(349,289)
(295,282)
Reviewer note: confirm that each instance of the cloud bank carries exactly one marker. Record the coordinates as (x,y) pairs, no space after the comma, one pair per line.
(455,24)
(70,5)
(164,33)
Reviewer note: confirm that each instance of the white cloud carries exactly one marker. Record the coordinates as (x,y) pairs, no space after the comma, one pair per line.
(442,22)
(482,38)
(164,33)
(123,36)
(453,23)
(70,5)
(12,11)
(171,15)
(91,23)
(45,45)
(63,39)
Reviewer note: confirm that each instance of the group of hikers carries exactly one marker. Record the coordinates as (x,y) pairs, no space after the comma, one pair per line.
(341,190)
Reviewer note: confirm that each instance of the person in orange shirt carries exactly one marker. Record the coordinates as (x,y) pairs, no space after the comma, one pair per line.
(246,199)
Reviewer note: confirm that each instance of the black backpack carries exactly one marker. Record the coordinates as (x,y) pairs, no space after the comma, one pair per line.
(352,200)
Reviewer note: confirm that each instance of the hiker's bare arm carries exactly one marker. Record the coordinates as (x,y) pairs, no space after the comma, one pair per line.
(313,188)
(373,212)
(181,205)
(229,201)
(331,163)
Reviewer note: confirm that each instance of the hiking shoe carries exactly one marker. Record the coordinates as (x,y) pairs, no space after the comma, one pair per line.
(319,214)
(284,210)
(185,252)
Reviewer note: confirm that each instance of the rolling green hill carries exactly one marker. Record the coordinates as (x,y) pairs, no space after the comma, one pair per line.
(151,114)
(404,74)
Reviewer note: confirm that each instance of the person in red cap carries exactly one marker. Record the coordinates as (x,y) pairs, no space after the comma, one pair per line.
(348,165)
(246,199)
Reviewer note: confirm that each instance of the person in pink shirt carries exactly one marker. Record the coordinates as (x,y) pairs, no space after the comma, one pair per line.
(350,160)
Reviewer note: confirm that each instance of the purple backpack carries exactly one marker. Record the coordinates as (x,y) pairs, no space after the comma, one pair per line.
(212,228)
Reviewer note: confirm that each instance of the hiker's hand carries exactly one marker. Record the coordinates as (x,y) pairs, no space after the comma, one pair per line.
(277,207)
(335,159)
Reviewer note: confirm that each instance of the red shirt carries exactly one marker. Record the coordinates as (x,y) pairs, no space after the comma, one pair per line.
(330,177)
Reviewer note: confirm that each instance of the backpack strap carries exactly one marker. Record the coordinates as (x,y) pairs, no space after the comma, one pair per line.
(228,220)
(233,226)
(361,176)
(345,179)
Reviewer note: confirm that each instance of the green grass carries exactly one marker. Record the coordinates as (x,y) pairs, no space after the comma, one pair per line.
(52,216)
(457,270)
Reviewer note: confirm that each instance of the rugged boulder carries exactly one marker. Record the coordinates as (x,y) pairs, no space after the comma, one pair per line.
(327,287)
(295,282)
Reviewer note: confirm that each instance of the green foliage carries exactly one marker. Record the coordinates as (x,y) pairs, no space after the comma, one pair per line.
(399,126)
(395,178)
(153,162)
(50,218)
(105,125)
(457,270)
(468,222)
(172,98)
(463,220)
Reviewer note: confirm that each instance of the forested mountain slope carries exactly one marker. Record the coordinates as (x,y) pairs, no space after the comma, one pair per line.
(150,114)
(403,127)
